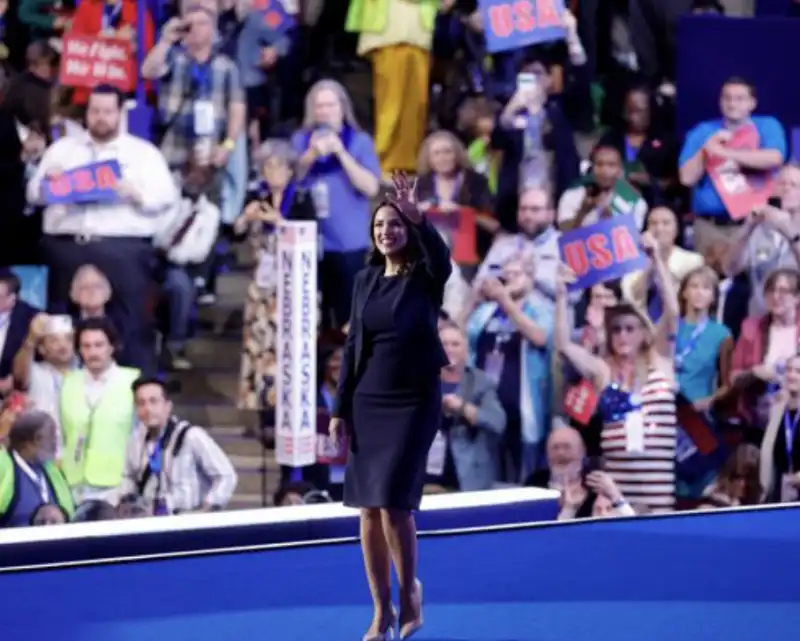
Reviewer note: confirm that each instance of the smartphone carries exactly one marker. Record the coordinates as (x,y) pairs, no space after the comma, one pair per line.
(527,82)
(185,28)
(775,202)
(590,464)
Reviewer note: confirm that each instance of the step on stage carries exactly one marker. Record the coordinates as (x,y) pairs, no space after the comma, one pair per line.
(493,571)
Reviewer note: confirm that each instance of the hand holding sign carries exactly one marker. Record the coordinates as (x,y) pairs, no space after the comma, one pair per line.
(515,24)
(94,183)
(605,251)
(715,145)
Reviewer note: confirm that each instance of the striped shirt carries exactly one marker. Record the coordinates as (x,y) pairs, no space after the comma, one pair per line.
(646,477)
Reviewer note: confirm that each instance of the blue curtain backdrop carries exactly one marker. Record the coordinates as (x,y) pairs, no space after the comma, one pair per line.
(763,50)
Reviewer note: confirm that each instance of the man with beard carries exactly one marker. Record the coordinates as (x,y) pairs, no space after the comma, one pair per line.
(536,239)
(114,236)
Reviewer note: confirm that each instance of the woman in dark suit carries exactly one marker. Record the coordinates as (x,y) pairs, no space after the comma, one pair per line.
(389,398)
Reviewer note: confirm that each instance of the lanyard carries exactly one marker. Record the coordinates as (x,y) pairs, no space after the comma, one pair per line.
(156,457)
(201,78)
(111,16)
(682,353)
(39,480)
(790,429)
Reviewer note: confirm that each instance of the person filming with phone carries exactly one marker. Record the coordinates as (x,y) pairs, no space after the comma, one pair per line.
(201,99)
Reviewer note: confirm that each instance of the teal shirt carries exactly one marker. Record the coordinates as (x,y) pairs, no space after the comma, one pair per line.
(697,375)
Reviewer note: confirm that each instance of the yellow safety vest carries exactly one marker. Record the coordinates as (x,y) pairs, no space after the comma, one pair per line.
(371,16)
(95,438)
(62,495)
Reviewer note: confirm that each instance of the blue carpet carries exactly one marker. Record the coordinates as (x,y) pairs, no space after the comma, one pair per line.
(726,577)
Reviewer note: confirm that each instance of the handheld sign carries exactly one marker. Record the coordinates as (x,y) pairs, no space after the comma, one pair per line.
(95,183)
(513,25)
(88,61)
(276,16)
(580,402)
(458,226)
(698,450)
(604,251)
(740,192)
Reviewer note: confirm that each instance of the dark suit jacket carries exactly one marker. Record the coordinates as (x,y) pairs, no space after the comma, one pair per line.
(21,317)
(416,314)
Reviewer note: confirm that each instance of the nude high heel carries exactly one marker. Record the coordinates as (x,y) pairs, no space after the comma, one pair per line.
(410,628)
(388,633)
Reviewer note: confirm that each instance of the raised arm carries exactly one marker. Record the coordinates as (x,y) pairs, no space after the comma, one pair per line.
(588,365)
(665,283)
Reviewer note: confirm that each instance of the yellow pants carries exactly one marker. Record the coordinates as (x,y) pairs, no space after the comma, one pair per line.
(400,84)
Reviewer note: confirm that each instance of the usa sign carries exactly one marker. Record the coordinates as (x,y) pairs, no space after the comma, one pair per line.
(510,24)
(93,183)
(605,251)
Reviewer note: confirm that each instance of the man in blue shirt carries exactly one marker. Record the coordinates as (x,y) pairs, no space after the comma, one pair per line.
(710,138)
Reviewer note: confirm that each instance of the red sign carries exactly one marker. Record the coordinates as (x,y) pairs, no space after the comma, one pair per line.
(460,225)
(580,402)
(88,61)
(741,192)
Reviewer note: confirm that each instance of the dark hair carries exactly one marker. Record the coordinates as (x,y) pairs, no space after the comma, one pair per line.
(412,252)
(27,427)
(10,280)
(602,146)
(43,507)
(98,324)
(789,273)
(301,488)
(96,511)
(679,224)
(39,50)
(740,81)
(144,381)
(109,90)
(744,462)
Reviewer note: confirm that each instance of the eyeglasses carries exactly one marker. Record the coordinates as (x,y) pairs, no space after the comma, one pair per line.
(623,328)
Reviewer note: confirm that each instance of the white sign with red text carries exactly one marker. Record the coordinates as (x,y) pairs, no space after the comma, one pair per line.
(296,351)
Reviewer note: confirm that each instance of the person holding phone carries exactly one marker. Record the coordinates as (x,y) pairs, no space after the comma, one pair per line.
(769,239)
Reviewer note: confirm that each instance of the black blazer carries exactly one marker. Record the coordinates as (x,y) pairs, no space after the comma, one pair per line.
(21,317)
(416,313)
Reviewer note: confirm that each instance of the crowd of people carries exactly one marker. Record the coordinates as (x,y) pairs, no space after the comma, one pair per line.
(675,387)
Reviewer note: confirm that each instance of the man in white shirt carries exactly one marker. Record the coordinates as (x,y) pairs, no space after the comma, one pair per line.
(116,237)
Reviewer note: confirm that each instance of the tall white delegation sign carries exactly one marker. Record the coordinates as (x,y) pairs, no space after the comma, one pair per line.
(296,372)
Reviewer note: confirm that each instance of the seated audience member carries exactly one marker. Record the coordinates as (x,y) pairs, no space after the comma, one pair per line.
(565,455)
(89,293)
(280,197)
(172,466)
(29,477)
(648,153)
(764,346)
(53,339)
(299,493)
(509,335)
(185,242)
(339,162)
(605,193)
(465,453)
(634,379)
(769,238)
(711,140)
(639,287)
(780,447)
(455,197)
(97,415)
(15,319)
(537,145)
(121,231)
(739,481)
(594,494)
(95,511)
(49,514)
(536,238)
(115,19)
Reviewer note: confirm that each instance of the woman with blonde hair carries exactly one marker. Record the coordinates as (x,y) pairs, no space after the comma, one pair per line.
(455,197)
(337,161)
(635,382)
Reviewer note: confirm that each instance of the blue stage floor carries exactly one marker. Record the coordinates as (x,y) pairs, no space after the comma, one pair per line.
(731,577)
